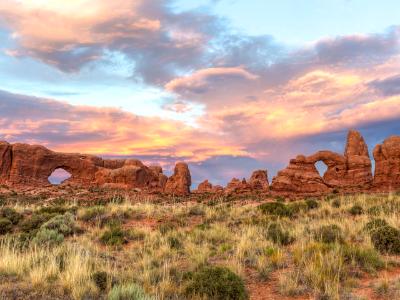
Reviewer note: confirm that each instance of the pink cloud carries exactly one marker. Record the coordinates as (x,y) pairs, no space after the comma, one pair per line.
(202,80)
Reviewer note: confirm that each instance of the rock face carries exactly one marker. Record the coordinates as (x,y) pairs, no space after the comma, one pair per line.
(387,164)
(259,180)
(31,165)
(348,172)
(205,187)
(236,186)
(179,183)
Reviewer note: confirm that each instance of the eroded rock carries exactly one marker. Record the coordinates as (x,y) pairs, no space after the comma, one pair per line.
(348,172)
(31,165)
(259,180)
(387,164)
(179,183)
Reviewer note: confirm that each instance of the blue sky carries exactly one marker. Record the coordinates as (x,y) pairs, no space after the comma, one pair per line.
(226,85)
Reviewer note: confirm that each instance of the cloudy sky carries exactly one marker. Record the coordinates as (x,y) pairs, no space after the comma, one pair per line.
(229,86)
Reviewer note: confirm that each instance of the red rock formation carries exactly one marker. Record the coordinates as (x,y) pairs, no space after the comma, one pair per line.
(259,180)
(179,183)
(31,165)
(236,186)
(387,164)
(300,177)
(205,187)
(348,172)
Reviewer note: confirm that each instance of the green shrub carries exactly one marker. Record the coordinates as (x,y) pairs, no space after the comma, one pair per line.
(276,209)
(374,224)
(35,221)
(356,210)
(114,236)
(336,203)
(100,278)
(174,242)
(94,213)
(386,239)
(276,234)
(196,210)
(5,225)
(329,234)
(10,214)
(59,210)
(297,207)
(135,234)
(217,283)
(280,199)
(128,292)
(312,204)
(367,259)
(48,237)
(166,227)
(63,224)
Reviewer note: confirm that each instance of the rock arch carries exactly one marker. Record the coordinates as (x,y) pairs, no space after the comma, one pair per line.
(348,172)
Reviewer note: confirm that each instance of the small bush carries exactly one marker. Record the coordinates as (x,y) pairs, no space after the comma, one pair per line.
(386,239)
(336,203)
(329,234)
(196,210)
(128,292)
(63,224)
(48,237)
(94,213)
(114,236)
(374,224)
(35,221)
(276,209)
(280,199)
(356,210)
(135,235)
(5,225)
(217,283)
(312,204)
(10,214)
(276,234)
(367,259)
(59,210)
(100,278)
(174,243)
(166,227)
(297,207)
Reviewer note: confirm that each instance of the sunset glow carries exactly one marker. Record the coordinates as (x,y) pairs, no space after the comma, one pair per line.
(168,80)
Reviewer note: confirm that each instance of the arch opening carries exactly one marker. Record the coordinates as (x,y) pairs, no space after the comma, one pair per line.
(58,176)
(321,168)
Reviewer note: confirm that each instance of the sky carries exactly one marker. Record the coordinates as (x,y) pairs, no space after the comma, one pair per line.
(228,86)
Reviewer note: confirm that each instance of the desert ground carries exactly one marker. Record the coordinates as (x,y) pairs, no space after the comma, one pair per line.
(69,243)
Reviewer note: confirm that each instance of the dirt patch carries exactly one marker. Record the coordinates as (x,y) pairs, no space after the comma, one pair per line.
(267,289)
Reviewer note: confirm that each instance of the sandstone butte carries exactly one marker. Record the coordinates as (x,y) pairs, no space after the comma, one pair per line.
(23,165)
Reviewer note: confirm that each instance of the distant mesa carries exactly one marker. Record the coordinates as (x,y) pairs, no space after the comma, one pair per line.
(23,165)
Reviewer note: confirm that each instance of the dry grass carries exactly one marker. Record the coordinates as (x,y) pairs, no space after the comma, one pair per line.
(159,258)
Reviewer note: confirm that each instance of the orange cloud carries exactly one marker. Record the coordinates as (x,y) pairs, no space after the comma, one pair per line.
(68,128)
(201,80)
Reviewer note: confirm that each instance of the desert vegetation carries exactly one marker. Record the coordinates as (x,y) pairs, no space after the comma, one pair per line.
(123,247)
